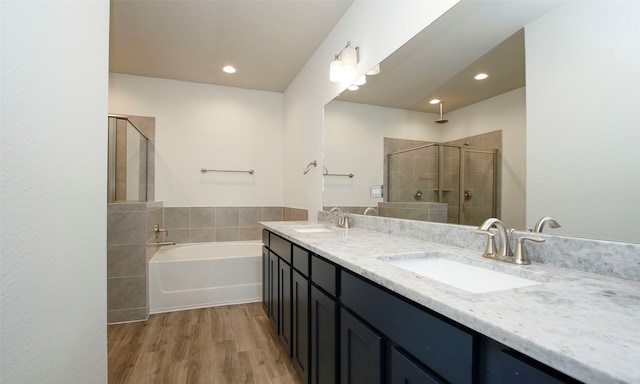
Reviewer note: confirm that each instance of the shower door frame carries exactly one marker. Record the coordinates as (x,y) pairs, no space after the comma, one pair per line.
(462,181)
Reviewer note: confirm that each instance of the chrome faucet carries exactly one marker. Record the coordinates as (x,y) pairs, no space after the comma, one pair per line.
(504,250)
(343,217)
(546,220)
(371,209)
(158,231)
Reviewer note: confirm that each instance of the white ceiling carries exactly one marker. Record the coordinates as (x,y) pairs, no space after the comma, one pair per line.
(268,41)
(440,61)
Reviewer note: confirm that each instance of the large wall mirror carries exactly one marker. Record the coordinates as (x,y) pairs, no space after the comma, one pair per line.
(392,114)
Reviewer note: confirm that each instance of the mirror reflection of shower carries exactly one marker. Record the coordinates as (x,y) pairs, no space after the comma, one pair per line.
(127,161)
(461,177)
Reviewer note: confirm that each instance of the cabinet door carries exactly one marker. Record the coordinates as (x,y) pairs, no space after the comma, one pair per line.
(323,338)
(273,290)
(265,281)
(284,293)
(405,371)
(300,315)
(360,352)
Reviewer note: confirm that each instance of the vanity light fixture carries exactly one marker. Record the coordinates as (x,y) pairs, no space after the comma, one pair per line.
(344,65)
(374,71)
(229,69)
(361,81)
(481,76)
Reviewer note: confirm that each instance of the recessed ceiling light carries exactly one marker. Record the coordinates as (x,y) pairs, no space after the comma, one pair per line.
(229,69)
(353,88)
(481,76)
(434,101)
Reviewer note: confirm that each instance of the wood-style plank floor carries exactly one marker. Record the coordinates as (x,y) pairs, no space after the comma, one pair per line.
(220,345)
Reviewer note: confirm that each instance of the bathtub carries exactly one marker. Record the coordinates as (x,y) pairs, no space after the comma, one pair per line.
(197,275)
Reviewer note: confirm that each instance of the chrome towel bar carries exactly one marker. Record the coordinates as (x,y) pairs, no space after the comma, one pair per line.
(326,173)
(205,170)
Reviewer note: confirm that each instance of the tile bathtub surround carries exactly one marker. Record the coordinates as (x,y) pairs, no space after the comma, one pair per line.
(295,214)
(608,258)
(129,229)
(213,224)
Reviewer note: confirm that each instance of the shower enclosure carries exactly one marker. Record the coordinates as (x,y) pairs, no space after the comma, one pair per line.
(128,153)
(463,178)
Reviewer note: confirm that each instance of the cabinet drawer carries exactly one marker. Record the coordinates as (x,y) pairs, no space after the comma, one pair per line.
(324,274)
(265,237)
(520,370)
(280,246)
(441,346)
(300,260)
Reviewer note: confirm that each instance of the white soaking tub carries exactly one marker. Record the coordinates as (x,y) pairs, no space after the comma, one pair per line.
(197,275)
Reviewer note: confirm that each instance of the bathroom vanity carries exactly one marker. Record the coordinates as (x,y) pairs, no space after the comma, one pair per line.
(348,311)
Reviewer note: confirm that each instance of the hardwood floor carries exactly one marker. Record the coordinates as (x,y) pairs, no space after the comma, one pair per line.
(230,344)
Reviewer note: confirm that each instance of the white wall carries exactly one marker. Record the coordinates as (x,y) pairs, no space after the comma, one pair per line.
(207,126)
(378,28)
(354,135)
(506,112)
(53,192)
(354,143)
(583,141)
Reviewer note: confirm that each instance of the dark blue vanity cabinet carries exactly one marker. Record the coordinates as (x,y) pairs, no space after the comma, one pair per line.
(266,297)
(300,301)
(278,282)
(341,328)
(324,321)
(361,351)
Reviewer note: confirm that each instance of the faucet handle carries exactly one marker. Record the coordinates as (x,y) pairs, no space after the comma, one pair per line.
(520,254)
(490,250)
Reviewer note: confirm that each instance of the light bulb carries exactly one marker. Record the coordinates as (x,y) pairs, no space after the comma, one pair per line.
(336,71)
(374,71)
(362,80)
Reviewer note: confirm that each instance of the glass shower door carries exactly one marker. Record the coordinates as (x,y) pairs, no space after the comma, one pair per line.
(478,185)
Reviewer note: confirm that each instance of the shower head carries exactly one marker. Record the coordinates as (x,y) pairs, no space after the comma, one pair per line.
(441,120)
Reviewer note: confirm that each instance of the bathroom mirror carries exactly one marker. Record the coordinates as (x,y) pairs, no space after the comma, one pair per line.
(440,63)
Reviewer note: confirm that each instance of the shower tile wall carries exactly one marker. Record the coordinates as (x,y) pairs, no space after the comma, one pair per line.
(418,171)
(129,229)
(212,224)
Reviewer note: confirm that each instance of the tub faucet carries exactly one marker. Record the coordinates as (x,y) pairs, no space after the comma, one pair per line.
(158,231)
(546,220)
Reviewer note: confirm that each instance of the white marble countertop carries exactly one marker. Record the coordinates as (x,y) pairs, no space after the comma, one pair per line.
(582,324)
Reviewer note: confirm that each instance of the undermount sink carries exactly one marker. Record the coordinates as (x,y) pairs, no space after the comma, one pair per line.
(311,229)
(464,276)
